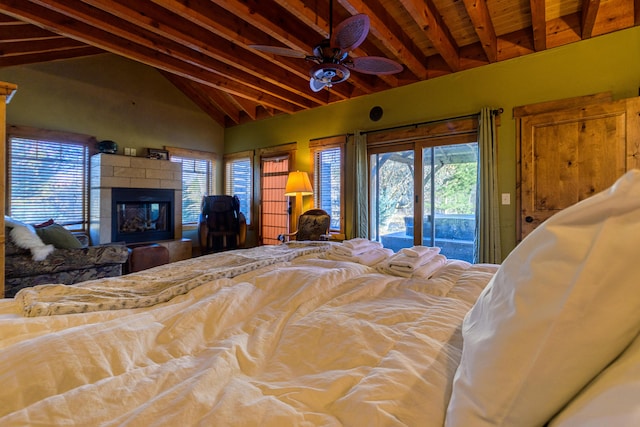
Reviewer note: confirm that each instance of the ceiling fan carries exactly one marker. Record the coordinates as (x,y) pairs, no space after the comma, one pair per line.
(332,61)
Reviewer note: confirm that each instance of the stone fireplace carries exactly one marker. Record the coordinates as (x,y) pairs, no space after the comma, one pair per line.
(134,199)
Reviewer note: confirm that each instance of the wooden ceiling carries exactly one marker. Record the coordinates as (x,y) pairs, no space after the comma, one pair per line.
(201,46)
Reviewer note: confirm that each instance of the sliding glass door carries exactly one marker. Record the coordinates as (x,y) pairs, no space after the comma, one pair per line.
(425,194)
(392,175)
(449,198)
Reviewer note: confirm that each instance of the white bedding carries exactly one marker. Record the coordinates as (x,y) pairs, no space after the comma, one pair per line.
(308,341)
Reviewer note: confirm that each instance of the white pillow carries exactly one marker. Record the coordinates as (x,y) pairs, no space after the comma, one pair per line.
(561,307)
(611,399)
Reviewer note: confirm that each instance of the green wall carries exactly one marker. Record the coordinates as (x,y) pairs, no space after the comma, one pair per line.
(605,63)
(113,98)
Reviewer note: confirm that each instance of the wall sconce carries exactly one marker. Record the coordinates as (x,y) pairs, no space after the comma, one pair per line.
(298,185)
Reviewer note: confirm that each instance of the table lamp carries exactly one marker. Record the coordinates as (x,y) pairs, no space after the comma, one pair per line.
(298,184)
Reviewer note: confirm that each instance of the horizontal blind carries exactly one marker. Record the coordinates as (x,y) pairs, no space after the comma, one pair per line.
(196,183)
(48,179)
(238,183)
(327,182)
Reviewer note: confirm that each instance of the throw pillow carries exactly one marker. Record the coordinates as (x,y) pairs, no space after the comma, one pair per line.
(24,236)
(58,236)
(44,224)
(562,306)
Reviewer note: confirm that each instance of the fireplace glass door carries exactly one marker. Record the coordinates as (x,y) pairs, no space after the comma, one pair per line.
(140,217)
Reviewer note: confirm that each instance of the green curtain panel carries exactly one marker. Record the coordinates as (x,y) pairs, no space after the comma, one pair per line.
(487,247)
(361,217)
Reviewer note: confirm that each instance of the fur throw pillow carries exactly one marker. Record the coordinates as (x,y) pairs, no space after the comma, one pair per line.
(24,236)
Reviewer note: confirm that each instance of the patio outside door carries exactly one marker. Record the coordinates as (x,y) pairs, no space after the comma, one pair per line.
(274,205)
(392,175)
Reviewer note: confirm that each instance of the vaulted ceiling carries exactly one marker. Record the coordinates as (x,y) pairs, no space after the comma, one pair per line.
(204,46)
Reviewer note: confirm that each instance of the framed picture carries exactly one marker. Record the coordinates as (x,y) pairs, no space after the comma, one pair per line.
(158,154)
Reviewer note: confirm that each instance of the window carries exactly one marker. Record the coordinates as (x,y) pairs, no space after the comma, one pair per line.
(328,163)
(424,190)
(238,180)
(197,180)
(48,177)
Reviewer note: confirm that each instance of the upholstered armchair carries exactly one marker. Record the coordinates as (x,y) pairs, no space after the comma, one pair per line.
(312,225)
(222,226)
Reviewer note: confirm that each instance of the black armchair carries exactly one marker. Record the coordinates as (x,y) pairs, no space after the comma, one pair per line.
(222,226)
(312,225)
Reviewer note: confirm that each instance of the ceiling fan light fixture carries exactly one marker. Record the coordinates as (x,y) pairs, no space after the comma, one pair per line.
(327,74)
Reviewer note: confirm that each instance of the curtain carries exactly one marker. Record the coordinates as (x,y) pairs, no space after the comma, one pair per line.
(487,247)
(360,187)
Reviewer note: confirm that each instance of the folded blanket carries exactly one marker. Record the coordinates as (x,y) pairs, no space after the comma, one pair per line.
(357,250)
(161,284)
(369,258)
(420,251)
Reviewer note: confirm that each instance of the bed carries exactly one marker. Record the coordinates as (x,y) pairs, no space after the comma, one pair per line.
(290,335)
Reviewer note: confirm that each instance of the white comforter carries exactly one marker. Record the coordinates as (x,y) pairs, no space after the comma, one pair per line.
(304,342)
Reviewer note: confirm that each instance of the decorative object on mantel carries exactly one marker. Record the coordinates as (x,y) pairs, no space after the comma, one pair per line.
(107,146)
(158,154)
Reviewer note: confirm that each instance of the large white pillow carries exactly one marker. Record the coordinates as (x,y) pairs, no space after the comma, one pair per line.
(561,307)
(612,399)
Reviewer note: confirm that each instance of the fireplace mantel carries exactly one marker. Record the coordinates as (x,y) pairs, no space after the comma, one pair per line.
(109,171)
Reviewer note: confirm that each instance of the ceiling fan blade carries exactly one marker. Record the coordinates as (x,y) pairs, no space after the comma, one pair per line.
(351,32)
(374,65)
(282,51)
(316,85)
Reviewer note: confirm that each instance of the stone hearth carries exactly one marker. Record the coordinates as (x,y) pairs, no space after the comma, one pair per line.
(110,171)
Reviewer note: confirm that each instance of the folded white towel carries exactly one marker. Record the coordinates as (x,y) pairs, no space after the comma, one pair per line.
(419,251)
(426,271)
(408,263)
(360,249)
(368,258)
(356,243)
(384,268)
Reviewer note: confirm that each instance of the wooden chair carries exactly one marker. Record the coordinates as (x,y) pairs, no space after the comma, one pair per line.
(312,225)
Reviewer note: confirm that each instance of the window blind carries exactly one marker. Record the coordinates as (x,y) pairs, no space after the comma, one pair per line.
(196,183)
(238,183)
(327,182)
(48,179)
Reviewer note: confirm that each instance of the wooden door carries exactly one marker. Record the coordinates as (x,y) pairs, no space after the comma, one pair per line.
(570,154)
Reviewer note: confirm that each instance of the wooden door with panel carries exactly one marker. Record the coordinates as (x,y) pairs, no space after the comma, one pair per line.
(571,154)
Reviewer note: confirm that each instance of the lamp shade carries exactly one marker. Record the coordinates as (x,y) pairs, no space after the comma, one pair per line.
(298,183)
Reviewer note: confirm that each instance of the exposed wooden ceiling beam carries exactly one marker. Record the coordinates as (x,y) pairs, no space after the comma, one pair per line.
(204,45)
(416,63)
(539,24)
(250,108)
(178,30)
(97,37)
(479,14)
(589,14)
(109,23)
(197,96)
(221,22)
(427,17)
(50,55)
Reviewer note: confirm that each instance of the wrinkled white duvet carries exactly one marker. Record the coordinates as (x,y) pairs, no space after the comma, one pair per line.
(308,342)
